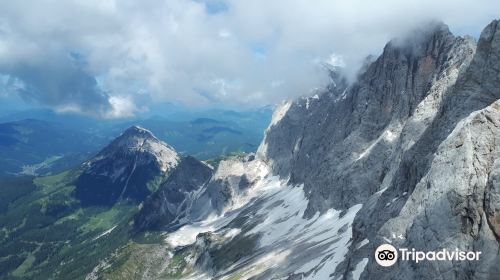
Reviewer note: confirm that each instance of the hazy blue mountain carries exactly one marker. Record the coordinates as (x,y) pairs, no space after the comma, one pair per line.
(207,137)
(40,141)
(33,146)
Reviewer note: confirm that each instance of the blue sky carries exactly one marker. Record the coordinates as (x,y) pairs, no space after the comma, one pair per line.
(114,59)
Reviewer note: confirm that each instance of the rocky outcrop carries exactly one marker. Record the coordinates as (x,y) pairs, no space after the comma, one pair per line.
(229,187)
(194,191)
(167,207)
(446,208)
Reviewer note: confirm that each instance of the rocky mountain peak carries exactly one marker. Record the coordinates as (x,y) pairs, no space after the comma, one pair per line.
(138,130)
(341,144)
(423,40)
(140,140)
(134,137)
(131,166)
(410,64)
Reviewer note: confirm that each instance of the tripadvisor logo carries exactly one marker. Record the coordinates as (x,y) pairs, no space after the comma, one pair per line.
(387,255)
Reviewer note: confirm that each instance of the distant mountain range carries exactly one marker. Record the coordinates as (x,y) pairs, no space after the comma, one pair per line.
(35,142)
(32,146)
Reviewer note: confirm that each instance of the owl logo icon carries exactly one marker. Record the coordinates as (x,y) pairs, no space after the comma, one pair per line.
(386,255)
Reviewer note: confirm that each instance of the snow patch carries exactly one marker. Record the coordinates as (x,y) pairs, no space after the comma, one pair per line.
(362,243)
(186,235)
(232,232)
(390,136)
(104,233)
(328,229)
(280,112)
(387,135)
(360,267)
(324,239)
(284,225)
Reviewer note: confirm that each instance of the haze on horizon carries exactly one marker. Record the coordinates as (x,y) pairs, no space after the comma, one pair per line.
(115,59)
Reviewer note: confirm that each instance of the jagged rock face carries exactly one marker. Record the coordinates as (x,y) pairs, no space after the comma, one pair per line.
(492,197)
(167,206)
(130,167)
(415,140)
(194,191)
(450,179)
(341,143)
(229,186)
(446,208)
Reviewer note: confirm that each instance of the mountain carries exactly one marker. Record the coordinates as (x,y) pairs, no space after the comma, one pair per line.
(405,155)
(62,226)
(399,95)
(129,167)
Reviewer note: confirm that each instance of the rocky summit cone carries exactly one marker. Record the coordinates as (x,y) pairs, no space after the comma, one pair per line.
(140,140)
(130,167)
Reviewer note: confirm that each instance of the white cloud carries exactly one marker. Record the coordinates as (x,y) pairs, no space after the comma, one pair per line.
(122,107)
(336,61)
(174,50)
(68,108)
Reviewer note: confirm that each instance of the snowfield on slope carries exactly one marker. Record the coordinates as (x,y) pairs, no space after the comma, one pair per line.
(288,243)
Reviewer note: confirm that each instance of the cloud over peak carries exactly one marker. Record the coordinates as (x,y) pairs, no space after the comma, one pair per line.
(102,57)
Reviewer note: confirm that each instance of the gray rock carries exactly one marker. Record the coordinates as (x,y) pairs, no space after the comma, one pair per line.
(341,145)
(449,177)
(415,141)
(167,206)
